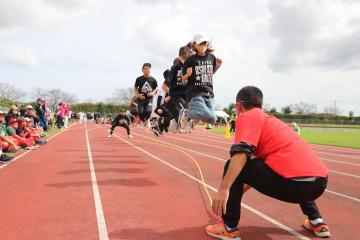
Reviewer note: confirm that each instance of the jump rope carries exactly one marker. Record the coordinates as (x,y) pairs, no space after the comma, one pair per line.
(182,151)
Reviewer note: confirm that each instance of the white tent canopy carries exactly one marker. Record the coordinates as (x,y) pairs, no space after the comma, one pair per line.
(221,114)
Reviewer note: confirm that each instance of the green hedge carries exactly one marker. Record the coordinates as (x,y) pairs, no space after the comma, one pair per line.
(317,119)
(102,108)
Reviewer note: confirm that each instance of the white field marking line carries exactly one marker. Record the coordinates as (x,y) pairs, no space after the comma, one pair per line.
(103,234)
(316,148)
(223,160)
(260,214)
(337,154)
(346,174)
(312,146)
(210,145)
(343,195)
(335,161)
(27,151)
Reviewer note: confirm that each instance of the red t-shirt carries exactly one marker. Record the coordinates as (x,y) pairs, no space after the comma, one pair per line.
(281,148)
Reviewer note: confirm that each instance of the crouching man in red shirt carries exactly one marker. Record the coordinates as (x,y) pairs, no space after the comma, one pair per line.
(270,157)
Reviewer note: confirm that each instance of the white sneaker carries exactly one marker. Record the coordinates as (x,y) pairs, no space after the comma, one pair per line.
(183,119)
(109,136)
(148,124)
(130,136)
(173,127)
(189,126)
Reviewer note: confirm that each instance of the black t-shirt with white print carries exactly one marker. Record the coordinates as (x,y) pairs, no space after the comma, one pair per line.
(145,85)
(177,87)
(200,83)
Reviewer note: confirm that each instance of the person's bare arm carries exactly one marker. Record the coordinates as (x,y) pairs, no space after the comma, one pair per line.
(220,199)
(151,94)
(218,65)
(187,75)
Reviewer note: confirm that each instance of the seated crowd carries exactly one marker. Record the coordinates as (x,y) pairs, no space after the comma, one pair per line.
(22,129)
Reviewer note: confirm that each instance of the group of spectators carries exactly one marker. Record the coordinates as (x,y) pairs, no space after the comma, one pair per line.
(23,127)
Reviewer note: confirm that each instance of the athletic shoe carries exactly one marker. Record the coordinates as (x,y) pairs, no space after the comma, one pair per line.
(5,158)
(173,127)
(219,231)
(320,229)
(109,136)
(130,136)
(183,119)
(41,142)
(148,124)
(189,126)
(156,131)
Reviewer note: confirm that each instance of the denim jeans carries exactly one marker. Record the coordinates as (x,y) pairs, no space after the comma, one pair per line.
(202,108)
(144,109)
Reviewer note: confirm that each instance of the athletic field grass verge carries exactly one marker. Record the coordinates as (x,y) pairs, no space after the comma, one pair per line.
(347,138)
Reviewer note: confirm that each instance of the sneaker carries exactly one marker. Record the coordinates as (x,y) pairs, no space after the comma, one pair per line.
(5,158)
(130,136)
(219,231)
(109,136)
(156,131)
(41,142)
(320,229)
(174,127)
(148,124)
(189,126)
(183,119)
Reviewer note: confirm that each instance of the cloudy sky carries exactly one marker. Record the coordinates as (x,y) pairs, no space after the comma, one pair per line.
(306,50)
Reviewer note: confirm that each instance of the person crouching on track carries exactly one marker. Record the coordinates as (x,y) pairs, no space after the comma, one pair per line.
(121,120)
(270,157)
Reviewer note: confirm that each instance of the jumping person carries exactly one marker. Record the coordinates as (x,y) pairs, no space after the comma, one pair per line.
(177,86)
(121,120)
(198,71)
(163,107)
(270,157)
(145,88)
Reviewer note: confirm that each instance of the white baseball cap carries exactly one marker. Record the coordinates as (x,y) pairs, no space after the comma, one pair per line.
(199,38)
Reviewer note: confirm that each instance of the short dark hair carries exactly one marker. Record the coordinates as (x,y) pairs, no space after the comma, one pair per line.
(250,96)
(146,65)
(183,50)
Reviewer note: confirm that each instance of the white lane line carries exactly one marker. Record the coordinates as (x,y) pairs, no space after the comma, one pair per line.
(28,151)
(214,146)
(225,141)
(223,160)
(103,234)
(337,154)
(260,214)
(346,174)
(340,162)
(316,148)
(343,195)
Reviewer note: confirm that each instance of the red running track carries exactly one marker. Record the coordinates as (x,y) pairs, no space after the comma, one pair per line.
(149,191)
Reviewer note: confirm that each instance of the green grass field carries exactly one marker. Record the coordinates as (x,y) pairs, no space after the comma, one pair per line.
(349,138)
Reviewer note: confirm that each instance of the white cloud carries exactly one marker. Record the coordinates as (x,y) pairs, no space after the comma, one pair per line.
(18,55)
(293,50)
(315,33)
